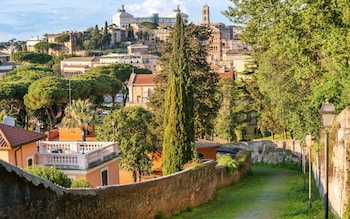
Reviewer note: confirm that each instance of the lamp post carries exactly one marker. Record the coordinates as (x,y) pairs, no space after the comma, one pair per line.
(309,143)
(113,125)
(82,133)
(328,114)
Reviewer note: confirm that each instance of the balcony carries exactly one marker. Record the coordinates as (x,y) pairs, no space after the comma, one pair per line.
(75,155)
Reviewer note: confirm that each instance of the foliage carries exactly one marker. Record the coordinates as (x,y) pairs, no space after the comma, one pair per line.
(178,144)
(31,57)
(302,52)
(80,183)
(79,114)
(48,93)
(133,131)
(50,173)
(206,93)
(121,72)
(227,161)
(149,25)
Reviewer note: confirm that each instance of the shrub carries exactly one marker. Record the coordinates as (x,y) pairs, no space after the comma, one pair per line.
(80,183)
(228,161)
(50,173)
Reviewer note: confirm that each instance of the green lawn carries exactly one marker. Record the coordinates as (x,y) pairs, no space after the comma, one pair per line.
(267,193)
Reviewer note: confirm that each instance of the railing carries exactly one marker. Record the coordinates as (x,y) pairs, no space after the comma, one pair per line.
(71,155)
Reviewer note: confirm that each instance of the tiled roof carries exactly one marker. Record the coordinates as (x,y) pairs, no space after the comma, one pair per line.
(81,59)
(141,79)
(11,137)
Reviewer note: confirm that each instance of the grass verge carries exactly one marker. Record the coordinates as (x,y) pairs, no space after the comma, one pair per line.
(236,200)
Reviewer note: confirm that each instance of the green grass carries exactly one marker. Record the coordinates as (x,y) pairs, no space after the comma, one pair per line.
(289,200)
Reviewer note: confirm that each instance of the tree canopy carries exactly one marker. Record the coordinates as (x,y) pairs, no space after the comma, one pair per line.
(302,54)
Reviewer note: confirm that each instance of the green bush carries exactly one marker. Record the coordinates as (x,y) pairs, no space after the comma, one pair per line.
(228,161)
(80,183)
(50,173)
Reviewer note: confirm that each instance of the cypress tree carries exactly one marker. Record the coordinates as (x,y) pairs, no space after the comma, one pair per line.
(178,145)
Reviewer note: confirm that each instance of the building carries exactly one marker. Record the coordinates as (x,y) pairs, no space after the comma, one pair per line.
(68,47)
(19,146)
(96,162)
(77,65)
(141,87)
(31,43)
(122,19)
(134,59)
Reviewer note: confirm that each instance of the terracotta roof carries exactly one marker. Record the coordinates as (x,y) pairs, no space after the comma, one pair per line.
(11,137)
(82,59)
(142,79)
(228,74)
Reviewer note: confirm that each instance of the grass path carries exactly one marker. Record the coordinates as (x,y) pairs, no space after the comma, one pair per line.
(268,193)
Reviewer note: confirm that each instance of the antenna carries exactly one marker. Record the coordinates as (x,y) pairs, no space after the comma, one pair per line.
(9,121)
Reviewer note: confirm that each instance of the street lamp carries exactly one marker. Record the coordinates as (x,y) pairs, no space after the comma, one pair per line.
(113,125)
(82,133)
(328,114)
(309,142)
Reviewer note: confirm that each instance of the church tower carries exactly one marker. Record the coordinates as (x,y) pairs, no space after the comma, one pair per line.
(205,15)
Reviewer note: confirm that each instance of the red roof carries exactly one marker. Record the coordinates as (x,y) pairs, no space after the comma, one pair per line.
(143,79)
(11,137)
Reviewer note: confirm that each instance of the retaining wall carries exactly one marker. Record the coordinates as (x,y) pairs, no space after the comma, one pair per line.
(26,196)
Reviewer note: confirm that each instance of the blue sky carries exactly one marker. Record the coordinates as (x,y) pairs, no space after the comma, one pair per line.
(21,19)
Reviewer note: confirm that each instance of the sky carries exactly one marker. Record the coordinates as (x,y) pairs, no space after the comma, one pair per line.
(22,19)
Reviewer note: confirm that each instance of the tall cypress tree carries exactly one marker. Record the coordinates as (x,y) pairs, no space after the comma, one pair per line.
(178,145)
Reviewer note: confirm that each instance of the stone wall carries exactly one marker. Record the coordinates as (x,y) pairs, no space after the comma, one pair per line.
(273,151)
(339,164)
(26,196)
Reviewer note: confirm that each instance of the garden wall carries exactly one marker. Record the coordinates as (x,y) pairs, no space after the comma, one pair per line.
(26,196)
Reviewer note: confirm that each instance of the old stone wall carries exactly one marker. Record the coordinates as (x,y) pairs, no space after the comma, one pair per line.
(26,196)
(339,164)
(273,151)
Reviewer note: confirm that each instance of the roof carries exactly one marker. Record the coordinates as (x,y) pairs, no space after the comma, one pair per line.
(12,137)
(205,144)
(81,59)
(142,79)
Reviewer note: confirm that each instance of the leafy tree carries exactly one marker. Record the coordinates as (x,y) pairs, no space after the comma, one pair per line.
(294,45)
(50,173)
(15,85)
(149,25)
(48,93)
(31,57)
(62,39)
(178,145)
(135,138)
(42,47)
(121,72)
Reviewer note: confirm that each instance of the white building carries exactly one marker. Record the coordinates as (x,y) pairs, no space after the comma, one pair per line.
(122,19)
(31,43)
(132,59)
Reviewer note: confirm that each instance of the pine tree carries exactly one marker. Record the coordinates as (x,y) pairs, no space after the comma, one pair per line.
(178,145)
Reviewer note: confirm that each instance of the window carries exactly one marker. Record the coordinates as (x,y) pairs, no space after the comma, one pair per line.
(104,177)
(30,161)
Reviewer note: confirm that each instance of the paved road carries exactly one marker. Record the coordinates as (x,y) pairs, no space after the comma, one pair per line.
(271,195)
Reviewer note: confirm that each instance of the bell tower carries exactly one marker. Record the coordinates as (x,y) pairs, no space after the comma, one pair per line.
(205,15)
